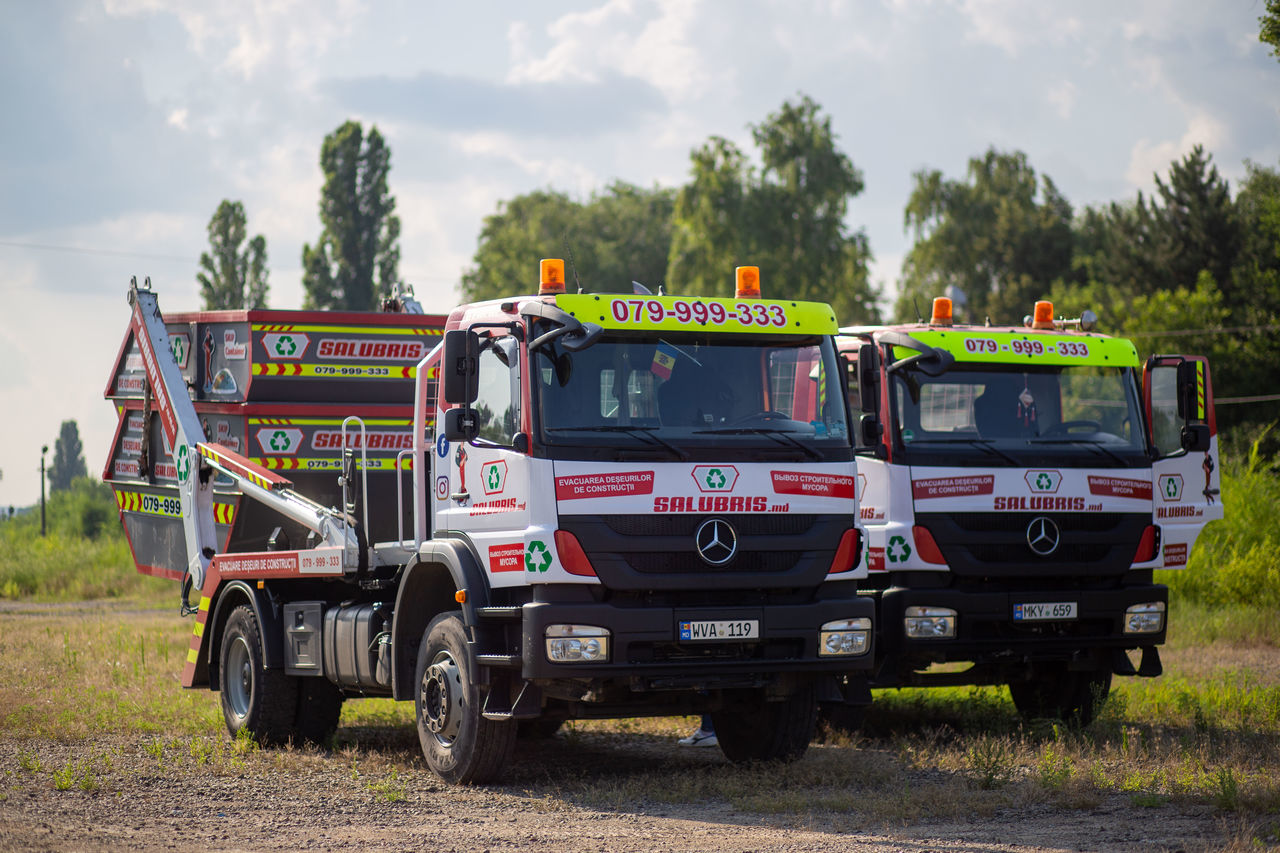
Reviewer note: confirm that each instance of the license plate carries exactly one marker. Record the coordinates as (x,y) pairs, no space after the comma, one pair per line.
(1041,611)
(746,629)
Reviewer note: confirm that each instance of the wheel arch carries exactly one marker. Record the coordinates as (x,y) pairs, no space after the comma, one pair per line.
(230,596)
(427,589)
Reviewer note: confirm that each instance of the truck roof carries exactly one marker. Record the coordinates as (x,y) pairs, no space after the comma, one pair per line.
(1012,344)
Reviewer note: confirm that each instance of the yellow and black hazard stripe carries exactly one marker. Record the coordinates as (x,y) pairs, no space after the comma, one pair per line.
(197,640)
(353,331)
(331,463)
(168,506)
(336,371)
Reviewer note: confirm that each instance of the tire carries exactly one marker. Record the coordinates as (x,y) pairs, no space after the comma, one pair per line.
(458,743)
(1054,692)
(262,701)
(771,731)
(843,718)
(319,706)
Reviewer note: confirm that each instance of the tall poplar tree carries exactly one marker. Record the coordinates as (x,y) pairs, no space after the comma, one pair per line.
(355,261)
(68,458)
(232,276)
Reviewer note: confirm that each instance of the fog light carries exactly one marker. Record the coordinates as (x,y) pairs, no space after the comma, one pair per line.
(930,623)
(577,644)
(846,637)
(1145,618)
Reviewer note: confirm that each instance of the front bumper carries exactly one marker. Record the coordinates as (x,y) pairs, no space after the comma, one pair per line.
(986,632)
(647,654)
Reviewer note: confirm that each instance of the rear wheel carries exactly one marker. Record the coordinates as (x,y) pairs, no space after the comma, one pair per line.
(459,744)
(263,702)
(770,731)
(1055,692)
(319,706)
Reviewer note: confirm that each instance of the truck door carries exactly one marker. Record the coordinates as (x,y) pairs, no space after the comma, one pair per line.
(1186,475)
(486,491)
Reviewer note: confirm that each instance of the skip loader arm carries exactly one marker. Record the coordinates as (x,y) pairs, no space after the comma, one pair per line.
(195,458)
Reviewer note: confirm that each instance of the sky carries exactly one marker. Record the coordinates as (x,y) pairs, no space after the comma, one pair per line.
(124,123)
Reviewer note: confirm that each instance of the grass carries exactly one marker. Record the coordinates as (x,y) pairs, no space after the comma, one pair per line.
(81,692)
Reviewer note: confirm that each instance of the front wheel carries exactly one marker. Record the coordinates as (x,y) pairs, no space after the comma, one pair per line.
(1055,692)
(459,744)
(770,731)
(263,702)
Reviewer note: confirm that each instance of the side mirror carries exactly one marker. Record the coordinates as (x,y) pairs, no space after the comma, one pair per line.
(1191,402)
(461,424)
(1195,438)
(869,379)
(459,367)
(871,429)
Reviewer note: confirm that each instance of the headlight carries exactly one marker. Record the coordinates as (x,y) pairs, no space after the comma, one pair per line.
(577,644)
(847,637)
(1145,618)
(930,623)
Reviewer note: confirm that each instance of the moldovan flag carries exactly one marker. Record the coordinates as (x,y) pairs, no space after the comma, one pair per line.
(664,358)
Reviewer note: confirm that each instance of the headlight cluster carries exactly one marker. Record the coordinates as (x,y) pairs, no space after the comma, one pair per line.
(577,644)
(1145,618)
(930,623)
(848,637)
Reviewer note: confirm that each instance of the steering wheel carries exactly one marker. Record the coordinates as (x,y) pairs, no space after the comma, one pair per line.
(1066,427)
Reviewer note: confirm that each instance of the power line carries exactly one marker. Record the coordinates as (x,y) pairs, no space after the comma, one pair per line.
(1186,333)
(81,250)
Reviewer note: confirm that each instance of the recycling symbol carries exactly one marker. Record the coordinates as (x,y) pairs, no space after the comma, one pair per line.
(285,345)
(280,440)
(494,479)
(898,550)
(1044,481)
(184,462)
(1171,487)
(179,346)
(715,479)
(536,557)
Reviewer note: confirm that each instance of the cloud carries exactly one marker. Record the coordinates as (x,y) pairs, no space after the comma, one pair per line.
(1148,158)
(549,109)
(1062,97)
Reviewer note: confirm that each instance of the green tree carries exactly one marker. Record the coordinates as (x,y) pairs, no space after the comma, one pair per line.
(1002,237)
(68,458)
(1269,27)
(1197,221)
(355,261)
(787,217)
(616,237)
(232,276)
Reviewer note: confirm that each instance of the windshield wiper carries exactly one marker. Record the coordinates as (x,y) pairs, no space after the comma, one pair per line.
(643,432)
(779,436)
(983,443)
(1087,442)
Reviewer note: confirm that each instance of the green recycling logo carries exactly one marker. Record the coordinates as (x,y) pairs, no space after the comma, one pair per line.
(286,346)
(1171,487)
(1044,482)
(536,556)
(898,550)
(493,476)
(715,478)
(184,462)
(290,345)
(280,441)
(180,345)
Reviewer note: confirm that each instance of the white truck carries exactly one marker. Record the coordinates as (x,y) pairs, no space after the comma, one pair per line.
(632,505)
(1019,486)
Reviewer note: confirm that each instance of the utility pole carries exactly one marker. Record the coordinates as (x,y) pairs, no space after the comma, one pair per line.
(43,451)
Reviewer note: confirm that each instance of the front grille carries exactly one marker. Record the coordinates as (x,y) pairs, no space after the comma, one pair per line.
(995,543)
(658,552)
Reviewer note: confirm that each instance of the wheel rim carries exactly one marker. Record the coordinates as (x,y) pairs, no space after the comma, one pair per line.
(442,698)
(239,678)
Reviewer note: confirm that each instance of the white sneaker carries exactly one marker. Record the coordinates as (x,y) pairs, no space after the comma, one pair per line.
(700,738)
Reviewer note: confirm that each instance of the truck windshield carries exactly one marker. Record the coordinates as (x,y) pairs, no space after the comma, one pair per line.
(992,414)
(687,396)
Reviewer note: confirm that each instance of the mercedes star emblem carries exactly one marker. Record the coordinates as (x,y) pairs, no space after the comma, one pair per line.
(1042,536)
(716,541)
